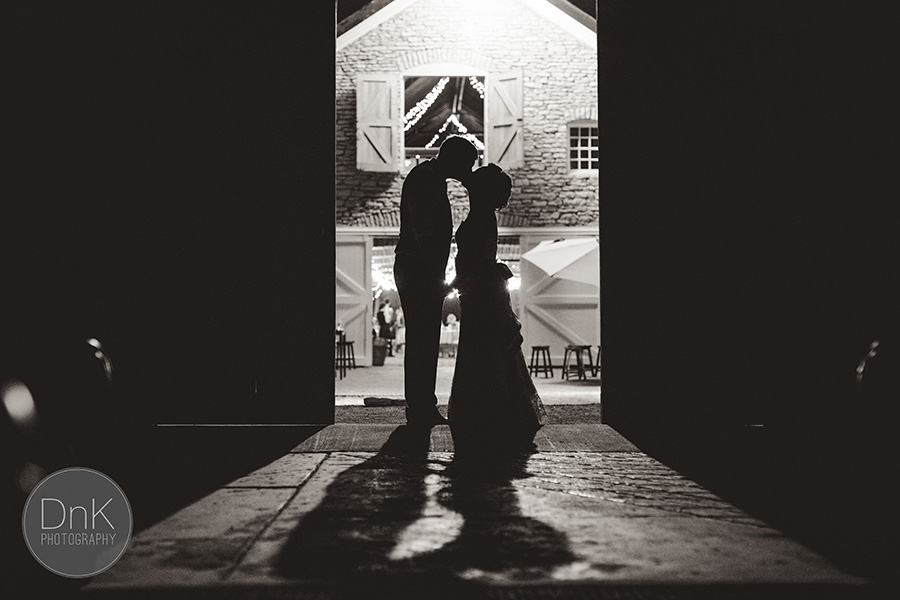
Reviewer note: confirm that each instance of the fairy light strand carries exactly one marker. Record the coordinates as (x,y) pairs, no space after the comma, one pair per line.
(461,130)
(416,112)
(478,86)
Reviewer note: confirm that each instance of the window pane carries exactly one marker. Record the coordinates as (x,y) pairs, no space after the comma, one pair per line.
(425,99)
(584,145)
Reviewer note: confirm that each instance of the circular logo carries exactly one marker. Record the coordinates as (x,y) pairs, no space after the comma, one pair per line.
(77,522)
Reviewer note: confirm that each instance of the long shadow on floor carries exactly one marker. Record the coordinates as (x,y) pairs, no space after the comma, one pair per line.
(407,523)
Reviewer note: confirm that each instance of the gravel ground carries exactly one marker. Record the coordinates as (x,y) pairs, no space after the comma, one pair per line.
(557,414)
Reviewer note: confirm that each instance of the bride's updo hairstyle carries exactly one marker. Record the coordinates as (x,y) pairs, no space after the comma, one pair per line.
(490,185)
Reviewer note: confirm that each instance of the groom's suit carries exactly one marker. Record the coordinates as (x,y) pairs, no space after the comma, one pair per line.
(426,228)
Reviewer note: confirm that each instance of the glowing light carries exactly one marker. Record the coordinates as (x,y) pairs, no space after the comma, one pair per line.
(477,85)
(20,405)
(461,130)
(416,112)
(450,270)
(381,282)
(95,343)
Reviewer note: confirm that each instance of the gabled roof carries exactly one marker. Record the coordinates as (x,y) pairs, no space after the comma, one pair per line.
(374,6)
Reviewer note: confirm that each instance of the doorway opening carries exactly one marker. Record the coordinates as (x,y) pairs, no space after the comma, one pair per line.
(379,376)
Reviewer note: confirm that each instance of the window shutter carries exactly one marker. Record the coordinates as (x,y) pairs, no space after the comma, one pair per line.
(506,112)
(378,122)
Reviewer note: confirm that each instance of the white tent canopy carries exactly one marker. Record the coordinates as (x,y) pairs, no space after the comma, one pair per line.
(576,259)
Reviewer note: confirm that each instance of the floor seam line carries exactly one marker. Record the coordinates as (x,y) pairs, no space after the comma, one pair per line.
(246,548)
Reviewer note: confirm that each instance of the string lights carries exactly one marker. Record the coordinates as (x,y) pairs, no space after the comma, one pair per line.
(415,113)
(461,130)
(478,86)
(418,111)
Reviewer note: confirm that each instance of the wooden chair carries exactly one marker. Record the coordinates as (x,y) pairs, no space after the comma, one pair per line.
(579,366)
(540,361)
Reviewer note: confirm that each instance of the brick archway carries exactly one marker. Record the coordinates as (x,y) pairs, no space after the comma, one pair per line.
(429,56)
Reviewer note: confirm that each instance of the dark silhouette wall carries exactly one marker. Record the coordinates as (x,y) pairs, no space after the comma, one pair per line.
(171,177)
(746,207)
(749,252)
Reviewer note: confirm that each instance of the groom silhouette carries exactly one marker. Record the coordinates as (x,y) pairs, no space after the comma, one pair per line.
(420,263)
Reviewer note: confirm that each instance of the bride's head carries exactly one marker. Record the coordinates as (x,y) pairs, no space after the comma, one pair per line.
(489,186)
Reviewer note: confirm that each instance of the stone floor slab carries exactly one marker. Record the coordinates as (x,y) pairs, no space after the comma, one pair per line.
(577,517)
(199,544)
(290,470)
(318,518)
(356,437)
(582,437)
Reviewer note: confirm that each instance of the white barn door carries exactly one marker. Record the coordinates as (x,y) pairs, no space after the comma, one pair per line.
(505,120)
(353,292)
(378,106)
(555,312)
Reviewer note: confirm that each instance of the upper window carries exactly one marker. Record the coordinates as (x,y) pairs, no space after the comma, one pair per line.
(437,107)
(584,145)
(403,120)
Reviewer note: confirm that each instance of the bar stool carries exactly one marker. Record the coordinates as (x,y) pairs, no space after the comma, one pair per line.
(597,364)
(540,361)
(577,351)
(344,357)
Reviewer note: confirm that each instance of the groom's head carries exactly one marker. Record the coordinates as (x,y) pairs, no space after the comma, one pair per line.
(457,156)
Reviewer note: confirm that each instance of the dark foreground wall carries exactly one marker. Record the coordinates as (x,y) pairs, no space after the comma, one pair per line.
(748,208)
(750,249)
(170,193)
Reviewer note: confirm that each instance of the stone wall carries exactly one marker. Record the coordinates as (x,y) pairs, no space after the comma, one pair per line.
(560,85)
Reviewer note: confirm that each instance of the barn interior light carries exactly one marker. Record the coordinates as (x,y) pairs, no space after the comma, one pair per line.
(415,113)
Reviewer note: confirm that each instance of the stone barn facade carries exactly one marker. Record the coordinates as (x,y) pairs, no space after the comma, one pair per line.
(519,77)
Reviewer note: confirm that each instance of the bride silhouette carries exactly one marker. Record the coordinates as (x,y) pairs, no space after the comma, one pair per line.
(494,406)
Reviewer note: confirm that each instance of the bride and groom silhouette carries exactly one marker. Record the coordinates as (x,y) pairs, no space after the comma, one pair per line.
(438,517)
(494,405)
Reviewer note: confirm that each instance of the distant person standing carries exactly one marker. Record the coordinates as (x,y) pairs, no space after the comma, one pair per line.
(387,325)
(426,228)
(389,315)
(399,329)
(379,318)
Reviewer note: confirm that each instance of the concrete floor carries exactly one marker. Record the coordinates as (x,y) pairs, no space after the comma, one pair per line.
(387,382)
(376,511)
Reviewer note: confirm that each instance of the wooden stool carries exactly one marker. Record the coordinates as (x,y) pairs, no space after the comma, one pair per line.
(540,361)
(344,357)
(577,352)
